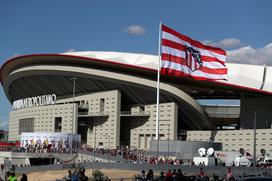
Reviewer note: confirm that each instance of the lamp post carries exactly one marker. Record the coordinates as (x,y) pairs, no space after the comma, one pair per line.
(254,140)
(94,142)
(109,150)
(168,125)
(73,117)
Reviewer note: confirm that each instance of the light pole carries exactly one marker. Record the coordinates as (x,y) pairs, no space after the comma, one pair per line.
(94,142)
(168,140)
(73,117)
(109,150)
(254,140)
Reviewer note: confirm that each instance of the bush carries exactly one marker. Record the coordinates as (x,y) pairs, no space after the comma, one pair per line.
(98,175)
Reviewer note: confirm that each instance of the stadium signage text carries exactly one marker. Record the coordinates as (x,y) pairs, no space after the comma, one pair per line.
(43,100)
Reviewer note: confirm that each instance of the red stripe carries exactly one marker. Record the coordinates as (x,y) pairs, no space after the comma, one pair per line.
(171,72)
(173,44)
(211,59)
(7,144)
(193,42)
(176,73)
(214,71)
(172,58)
(176,59)
(182,61)
(178,46)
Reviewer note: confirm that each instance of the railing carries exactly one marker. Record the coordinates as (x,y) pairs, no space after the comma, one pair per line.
(123,113)
(83,106)
(129,113)
(224,114)
(182,132)
(93,114)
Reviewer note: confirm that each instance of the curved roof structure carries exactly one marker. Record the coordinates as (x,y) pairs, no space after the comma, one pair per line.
(133,74)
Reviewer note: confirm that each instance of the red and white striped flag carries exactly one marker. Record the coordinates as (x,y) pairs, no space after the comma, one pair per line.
(182,56)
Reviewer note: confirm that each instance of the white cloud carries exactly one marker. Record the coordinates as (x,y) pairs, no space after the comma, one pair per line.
(70,50)
(225,43)
(230,42)
(135,30)
(250,55)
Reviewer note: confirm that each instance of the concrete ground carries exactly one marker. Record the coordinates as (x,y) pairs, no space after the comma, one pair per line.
(52,175)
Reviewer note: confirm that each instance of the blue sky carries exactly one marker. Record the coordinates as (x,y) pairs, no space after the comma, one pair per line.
(244,28)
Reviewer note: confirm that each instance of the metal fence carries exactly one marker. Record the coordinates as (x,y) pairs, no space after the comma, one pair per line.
(186,169)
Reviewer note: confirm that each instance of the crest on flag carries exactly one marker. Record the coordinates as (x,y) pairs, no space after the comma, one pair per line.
(193,58)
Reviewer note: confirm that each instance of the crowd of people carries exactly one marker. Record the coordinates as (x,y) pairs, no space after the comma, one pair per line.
(178,175)
(138,156)
(10,176)
(76,175)
(135,156)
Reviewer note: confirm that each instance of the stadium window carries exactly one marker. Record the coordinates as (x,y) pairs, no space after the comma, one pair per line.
(58,124)
(26,125)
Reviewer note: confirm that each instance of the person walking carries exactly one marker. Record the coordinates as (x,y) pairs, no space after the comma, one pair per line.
(229,175)
(201,172)
(2,167)
(12,177)
(24,177)
(150,175)
(169,176)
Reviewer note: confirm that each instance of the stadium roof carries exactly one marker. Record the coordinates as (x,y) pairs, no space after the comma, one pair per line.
(242,78)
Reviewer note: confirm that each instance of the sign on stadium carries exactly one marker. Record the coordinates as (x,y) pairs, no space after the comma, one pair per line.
(54,141)
(43,100)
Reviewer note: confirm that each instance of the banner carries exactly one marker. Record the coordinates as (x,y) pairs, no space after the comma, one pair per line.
(53,141)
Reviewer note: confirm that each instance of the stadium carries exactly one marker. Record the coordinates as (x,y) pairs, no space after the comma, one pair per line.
(109,98)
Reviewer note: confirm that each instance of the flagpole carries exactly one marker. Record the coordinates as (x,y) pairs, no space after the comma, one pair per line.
(158,91)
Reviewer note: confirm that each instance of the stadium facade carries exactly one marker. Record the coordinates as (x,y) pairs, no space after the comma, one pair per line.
(110,99)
